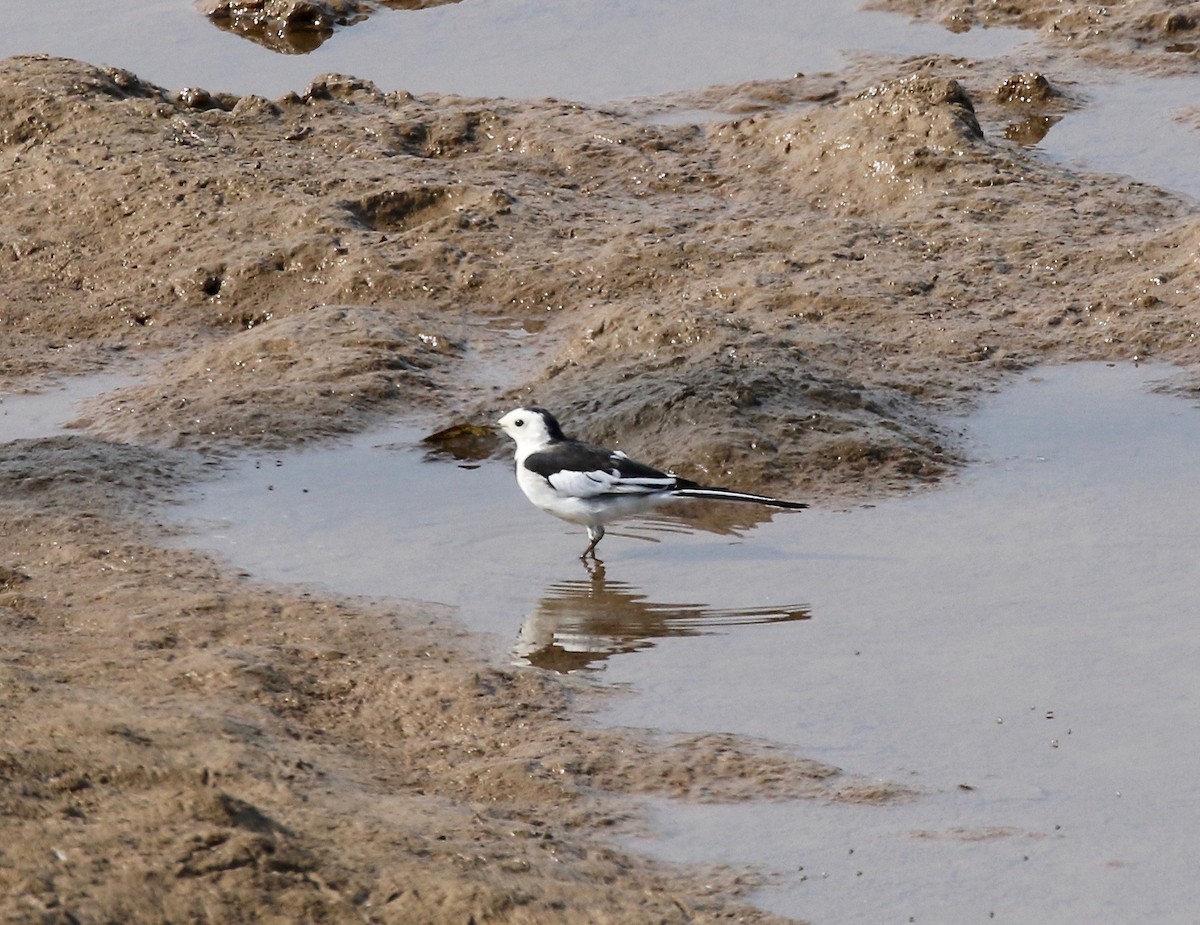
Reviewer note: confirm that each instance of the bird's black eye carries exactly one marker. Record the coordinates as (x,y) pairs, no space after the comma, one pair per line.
(519,422)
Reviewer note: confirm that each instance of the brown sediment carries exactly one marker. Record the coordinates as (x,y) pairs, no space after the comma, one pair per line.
(792,295)
(1149,35)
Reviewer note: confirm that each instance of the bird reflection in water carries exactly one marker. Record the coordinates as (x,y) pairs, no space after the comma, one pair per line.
(581,622)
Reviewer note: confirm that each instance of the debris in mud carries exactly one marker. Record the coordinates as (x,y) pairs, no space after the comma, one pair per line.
(464,442)
(1037,104)
(1026,88)
(288,26)
(297,27)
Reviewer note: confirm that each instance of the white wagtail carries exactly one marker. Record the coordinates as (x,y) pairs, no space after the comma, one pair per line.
(592,486)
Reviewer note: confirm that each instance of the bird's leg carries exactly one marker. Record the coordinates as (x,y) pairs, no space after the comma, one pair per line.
(595,534)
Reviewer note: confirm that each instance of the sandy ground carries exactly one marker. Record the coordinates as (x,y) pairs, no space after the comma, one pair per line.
(792,295)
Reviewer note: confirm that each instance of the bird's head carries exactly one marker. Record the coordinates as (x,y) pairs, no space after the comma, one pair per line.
(531,427)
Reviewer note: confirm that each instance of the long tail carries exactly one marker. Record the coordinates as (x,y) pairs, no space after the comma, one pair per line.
(726,494)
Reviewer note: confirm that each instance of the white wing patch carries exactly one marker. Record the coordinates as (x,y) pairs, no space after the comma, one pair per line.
(605,482)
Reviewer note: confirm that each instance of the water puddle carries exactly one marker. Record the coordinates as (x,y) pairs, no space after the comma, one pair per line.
(1019,646)
(1109,134)
(374,516)
(580,622)
(28,416)
(590,51)
(594,52)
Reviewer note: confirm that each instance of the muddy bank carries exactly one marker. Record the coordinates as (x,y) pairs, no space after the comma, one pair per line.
(179,744)
(791,295)
(1144,34)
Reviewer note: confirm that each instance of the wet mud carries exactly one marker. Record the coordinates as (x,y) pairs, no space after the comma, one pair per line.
(1143,34)
(791,294)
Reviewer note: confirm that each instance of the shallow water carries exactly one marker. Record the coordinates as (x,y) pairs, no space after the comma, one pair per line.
(1018,646)
(373,517)
(46,413)
(1110,133)
(594,51)
(589,51)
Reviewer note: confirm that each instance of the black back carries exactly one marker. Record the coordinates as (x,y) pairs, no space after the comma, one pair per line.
(553,428)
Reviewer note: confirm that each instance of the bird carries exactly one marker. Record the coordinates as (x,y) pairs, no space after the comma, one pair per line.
(593,486)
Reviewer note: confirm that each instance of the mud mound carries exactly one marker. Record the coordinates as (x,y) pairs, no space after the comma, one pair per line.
(267,386)
(889,145)
(192,223)
(738,402)
(877,245)
(1137,33)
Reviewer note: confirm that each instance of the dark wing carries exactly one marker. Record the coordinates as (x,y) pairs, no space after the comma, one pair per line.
(584,471)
